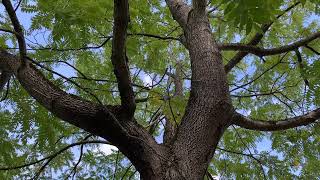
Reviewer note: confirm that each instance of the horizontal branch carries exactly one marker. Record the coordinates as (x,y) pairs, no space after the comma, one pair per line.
(9,31)
(267,52)
(261,125)
(312,49)
(254,41)
(154,36)
(107,38)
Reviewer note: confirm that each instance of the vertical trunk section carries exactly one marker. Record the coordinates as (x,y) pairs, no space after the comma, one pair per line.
(209,108)
(208,112)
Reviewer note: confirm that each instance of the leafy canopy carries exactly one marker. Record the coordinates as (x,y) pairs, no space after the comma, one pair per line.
(72,31)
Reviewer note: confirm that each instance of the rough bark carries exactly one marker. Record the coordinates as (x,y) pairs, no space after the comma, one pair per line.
(209,106)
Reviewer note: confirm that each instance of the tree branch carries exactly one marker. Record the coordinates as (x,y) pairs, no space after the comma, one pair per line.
(262,125)
(312,49)
(301,66)
(67,107)
(107,122)
(4,78)
(9,31)
(154,36)
(52,156)
(267,52)
(17,28)
(119,58)
(179,11)
(199,6)
(74,169)
(254,41)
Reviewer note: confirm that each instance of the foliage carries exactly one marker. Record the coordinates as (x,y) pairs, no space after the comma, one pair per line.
(28,132)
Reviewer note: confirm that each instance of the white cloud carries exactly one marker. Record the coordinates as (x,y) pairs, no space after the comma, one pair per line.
(216,177)
(147,81)
(106,149)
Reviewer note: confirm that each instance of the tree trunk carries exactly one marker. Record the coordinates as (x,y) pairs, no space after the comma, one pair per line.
(207,114)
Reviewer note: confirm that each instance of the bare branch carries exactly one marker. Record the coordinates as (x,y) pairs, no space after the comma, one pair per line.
(68,49)
(18,5)
(260,75)
(301,66)
(267,52)
(255,95)
(74,169)
(119,58)
(154,36)
(9,31)
(70,65)
(248,155)
(107,38)
(263,125)
(312,49)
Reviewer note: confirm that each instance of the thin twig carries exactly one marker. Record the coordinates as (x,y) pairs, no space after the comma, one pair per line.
(53,155)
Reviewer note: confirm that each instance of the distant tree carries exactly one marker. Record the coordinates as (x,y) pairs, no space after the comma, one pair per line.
(184,90)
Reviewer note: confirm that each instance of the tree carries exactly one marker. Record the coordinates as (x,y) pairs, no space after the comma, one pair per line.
(224,77)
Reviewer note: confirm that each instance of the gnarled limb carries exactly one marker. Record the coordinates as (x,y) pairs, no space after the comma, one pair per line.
(105,121)
(261,125)
(272,51)
(119,58)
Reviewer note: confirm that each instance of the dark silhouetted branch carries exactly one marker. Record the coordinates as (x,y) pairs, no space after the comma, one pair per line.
(119,58)
(18,29)
(267,52)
